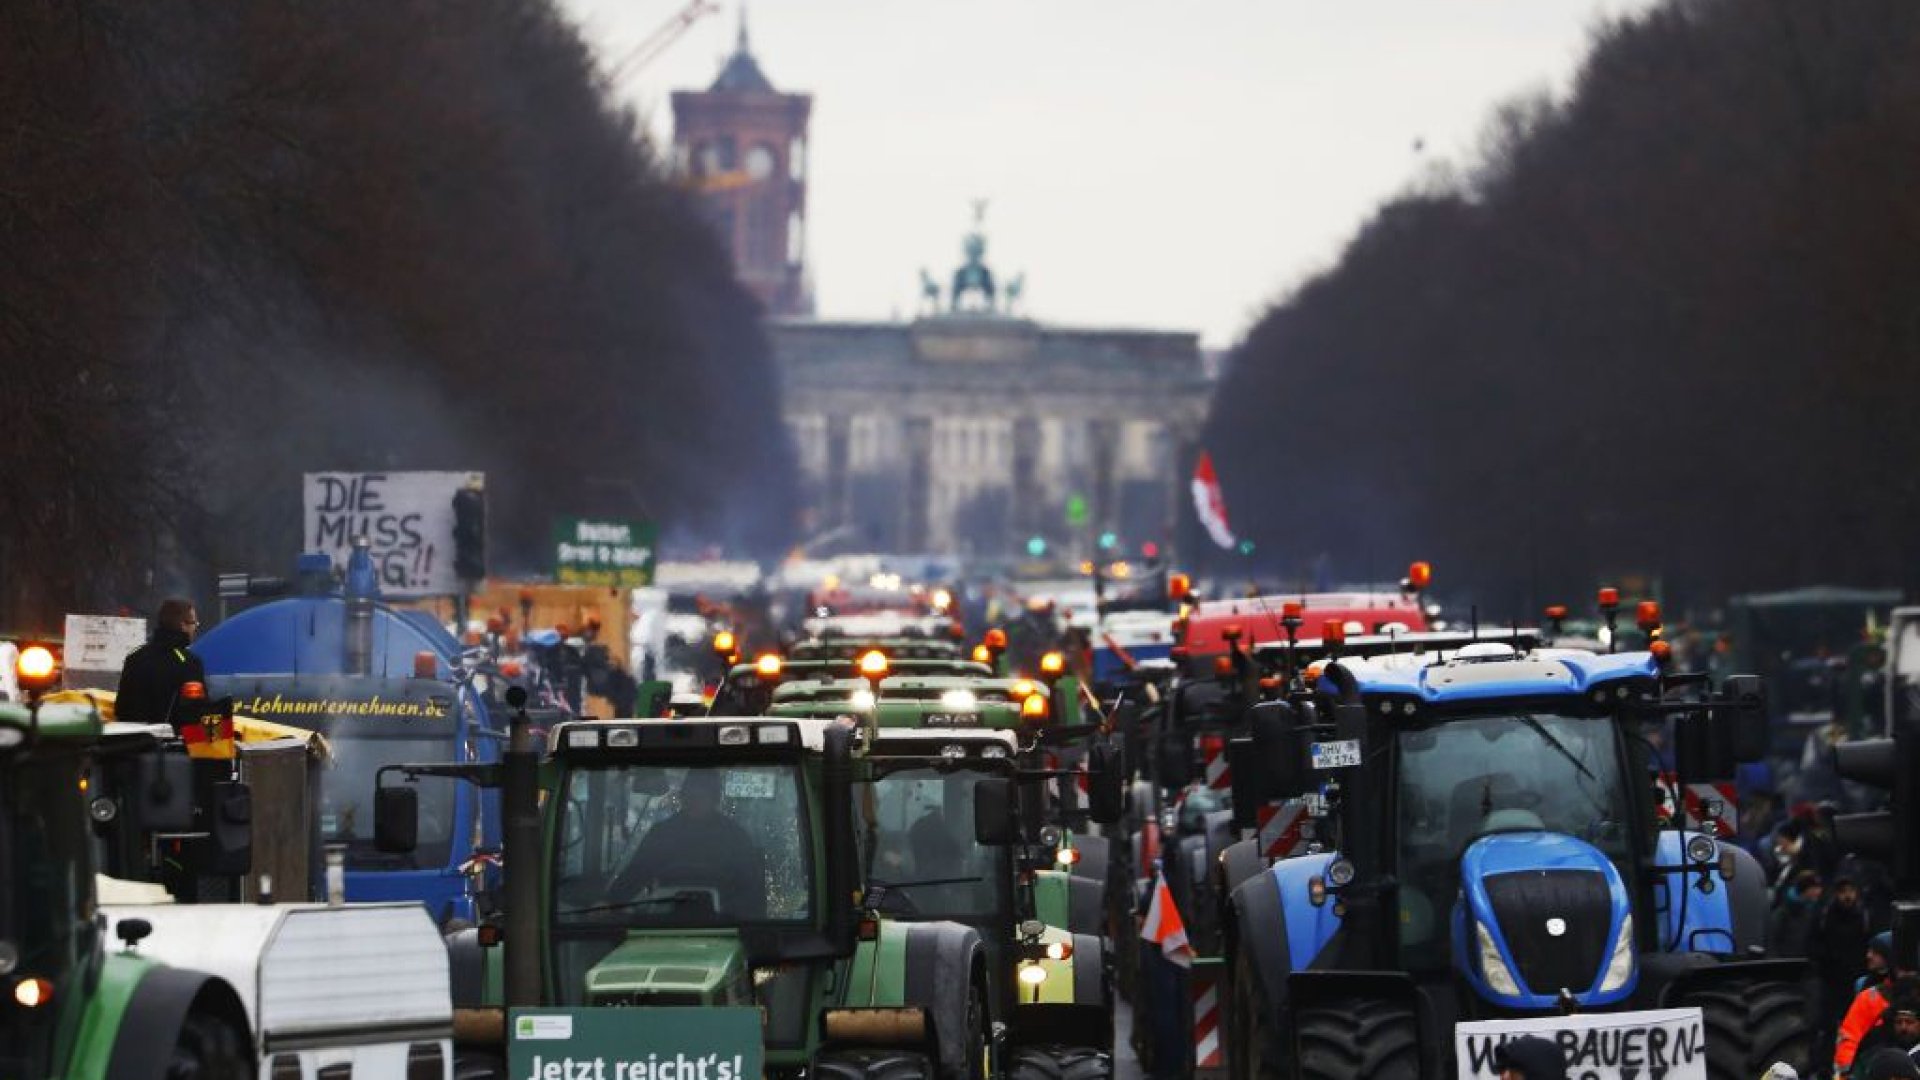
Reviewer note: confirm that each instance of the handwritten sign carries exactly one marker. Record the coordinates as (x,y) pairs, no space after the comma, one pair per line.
(406,518)
(1657,1044)
(101,642)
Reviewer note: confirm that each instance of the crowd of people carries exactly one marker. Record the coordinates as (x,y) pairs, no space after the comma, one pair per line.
(1834,910)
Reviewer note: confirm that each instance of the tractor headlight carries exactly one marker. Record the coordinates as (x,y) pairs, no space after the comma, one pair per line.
(1499,977)
(1620,967)
(958,701)
(1701,848)
(1033,974)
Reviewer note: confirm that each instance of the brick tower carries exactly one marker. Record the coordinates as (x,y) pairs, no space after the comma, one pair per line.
(743,146)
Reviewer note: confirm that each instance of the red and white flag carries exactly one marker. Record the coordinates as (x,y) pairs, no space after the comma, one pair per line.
(1209,503)
(1164,927)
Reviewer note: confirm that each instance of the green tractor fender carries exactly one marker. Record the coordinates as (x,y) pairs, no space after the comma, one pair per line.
(141,1011)
(1069,900)
(939,967)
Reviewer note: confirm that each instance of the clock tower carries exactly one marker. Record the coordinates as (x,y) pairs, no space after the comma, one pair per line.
(741,145)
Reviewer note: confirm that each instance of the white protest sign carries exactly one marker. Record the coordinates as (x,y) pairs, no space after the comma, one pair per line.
(1658,1044)
(101,642)
(407,518)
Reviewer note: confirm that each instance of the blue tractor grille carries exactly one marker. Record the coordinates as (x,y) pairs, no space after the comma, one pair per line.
(1527,902)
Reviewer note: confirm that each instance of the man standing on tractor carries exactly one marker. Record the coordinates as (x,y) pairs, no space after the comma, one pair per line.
(151,679)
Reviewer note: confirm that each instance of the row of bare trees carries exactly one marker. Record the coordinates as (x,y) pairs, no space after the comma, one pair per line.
(1669,326)
(243,241)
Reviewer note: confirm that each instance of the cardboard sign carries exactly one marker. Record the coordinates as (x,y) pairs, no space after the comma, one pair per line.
(407,518)
(100,643)
(1660,1044)
(667,1043)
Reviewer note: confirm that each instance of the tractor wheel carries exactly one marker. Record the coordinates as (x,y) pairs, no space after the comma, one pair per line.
(1059,1063)
(1246,1029)
(472,1065)
(873,1065)
(1359,1040)
(1751,1025)
(209,1047)
(979,1064)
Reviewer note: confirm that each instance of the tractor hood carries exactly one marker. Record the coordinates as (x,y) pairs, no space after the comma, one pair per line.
(672,968)
(1540,914)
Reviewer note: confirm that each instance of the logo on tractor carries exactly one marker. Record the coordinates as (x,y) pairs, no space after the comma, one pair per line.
(1556,927)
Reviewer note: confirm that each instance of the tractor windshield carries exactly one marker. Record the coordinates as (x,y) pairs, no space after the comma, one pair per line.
(49,889)
(704,845)
(918,825)
(1473,775)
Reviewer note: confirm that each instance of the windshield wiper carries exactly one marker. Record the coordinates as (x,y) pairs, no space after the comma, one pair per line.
(681,897)
(1535,726)
(929,881)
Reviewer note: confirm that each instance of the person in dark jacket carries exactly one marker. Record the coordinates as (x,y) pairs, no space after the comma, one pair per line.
(151,679)
(1891,1064)
(1530,1057)
(1790,928)
(1839,949)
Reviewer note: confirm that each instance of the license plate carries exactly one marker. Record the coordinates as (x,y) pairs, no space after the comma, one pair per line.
(942,719)
(1336,755)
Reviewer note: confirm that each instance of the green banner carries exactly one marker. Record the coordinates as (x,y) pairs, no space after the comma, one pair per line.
(600,551)
(666,1043)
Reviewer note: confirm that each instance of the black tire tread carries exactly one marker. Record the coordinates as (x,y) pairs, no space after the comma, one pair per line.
(1359,1040)
(1750,1024)
(210,1047)
(873,1065)
(1059,1063)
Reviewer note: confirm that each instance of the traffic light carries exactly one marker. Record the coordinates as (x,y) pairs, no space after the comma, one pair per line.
(1109,540)
(1891,836)
(470,534)
(1036,546)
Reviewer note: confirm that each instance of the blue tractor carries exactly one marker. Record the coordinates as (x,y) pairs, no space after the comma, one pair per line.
(1495,846)
(384,686)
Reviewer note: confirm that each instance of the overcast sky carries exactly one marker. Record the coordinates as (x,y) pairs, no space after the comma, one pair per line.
(1162,163)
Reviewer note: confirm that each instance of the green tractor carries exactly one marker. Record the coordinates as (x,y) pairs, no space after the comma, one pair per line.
(73,1007)
(689,866)
(942,751)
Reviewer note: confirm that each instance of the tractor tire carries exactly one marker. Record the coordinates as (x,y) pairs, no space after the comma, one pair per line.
(1246,1028)
(873,1065)
(478,1065)
(1752,1024)
(1359,1040)
(979,1064)
(1059,1063)
(210,1047)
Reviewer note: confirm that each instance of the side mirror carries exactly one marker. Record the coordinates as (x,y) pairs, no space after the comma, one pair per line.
(1703,745)
(993,817)
(1106,799)
(230,824)
(1746,714)
(1249,782)
(396,818)
(1280,750)
(162,796)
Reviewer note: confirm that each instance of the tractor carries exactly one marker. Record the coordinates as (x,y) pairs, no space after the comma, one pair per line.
(1491,845)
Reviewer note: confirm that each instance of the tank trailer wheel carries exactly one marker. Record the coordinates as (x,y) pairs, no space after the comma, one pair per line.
(209,1047)
(1359,1040)
(1752,1024)
(1059,1063)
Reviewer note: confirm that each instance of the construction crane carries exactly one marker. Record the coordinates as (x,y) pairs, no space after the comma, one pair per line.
(660,40)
